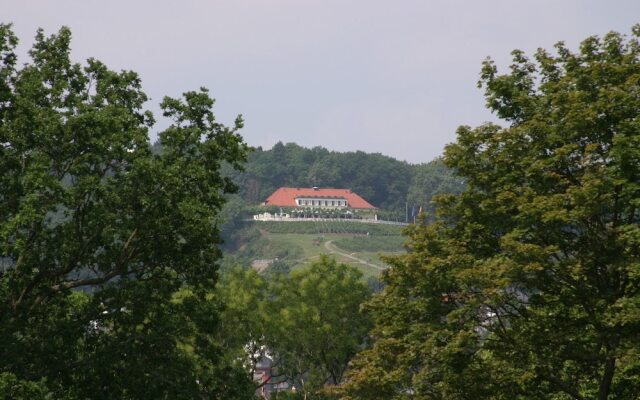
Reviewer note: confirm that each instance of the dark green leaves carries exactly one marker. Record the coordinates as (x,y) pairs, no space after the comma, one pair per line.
(526,285)
(99,237)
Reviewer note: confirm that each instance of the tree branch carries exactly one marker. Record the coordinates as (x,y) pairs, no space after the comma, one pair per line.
(562,385)
(85,282)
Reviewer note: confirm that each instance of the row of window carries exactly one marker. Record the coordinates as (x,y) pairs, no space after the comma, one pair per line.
(321,203)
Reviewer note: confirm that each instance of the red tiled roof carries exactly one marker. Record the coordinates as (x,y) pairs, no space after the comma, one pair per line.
(286,197)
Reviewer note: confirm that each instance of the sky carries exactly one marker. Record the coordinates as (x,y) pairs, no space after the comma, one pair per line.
(391,77)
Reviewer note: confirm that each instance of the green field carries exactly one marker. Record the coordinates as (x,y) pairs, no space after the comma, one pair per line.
(292,245)
(297,244)
(301,249)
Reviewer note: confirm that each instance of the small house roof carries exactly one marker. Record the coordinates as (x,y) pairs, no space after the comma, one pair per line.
(286,197)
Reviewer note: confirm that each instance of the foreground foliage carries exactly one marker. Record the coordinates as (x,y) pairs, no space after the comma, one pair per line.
(98,235)
(527,285)
(308,322)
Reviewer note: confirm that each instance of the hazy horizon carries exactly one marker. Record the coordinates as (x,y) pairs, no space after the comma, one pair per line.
(392,78)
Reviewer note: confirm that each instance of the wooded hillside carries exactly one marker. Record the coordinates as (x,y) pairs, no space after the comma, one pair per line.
(384,181)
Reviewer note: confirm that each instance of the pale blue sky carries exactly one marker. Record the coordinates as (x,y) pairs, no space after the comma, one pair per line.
(395,77)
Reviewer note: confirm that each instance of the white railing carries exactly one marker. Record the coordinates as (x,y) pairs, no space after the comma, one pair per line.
(278,218)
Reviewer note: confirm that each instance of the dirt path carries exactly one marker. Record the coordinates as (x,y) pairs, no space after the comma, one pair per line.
(333,249)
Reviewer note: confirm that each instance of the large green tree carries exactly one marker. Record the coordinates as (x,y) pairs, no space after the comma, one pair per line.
(308,322)
(320,325)
(98,236)
(528,284)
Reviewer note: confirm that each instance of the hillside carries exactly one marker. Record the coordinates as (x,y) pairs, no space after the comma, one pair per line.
(281,246)
(385,182)
(397,188)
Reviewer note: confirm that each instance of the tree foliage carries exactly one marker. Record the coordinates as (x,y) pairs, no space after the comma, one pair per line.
(309,322)
(527,285)
(320,324)
(98,235)
(384,181)
(430,180)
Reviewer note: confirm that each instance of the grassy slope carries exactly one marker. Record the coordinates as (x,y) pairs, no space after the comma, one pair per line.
(312,246)
(298,244)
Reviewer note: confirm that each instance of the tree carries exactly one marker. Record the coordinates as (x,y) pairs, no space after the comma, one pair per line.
(309,322)
(99,237)
(245,319)
(429,180)
(527,285)
(320,326)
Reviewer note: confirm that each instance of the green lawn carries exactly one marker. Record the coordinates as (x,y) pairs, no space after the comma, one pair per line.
(304,248)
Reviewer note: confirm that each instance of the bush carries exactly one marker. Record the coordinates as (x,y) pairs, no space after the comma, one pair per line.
(327,227)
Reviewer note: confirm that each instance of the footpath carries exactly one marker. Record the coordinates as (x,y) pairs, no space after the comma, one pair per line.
(333,249)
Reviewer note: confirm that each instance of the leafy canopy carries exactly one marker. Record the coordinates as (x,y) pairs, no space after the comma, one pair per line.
(85,207)
(527,285)
(308,322)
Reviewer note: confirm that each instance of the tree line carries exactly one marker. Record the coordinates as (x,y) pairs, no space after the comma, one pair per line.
(385,182)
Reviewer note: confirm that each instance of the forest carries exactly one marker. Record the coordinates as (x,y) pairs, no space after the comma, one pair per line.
(520,281)
(383,181)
